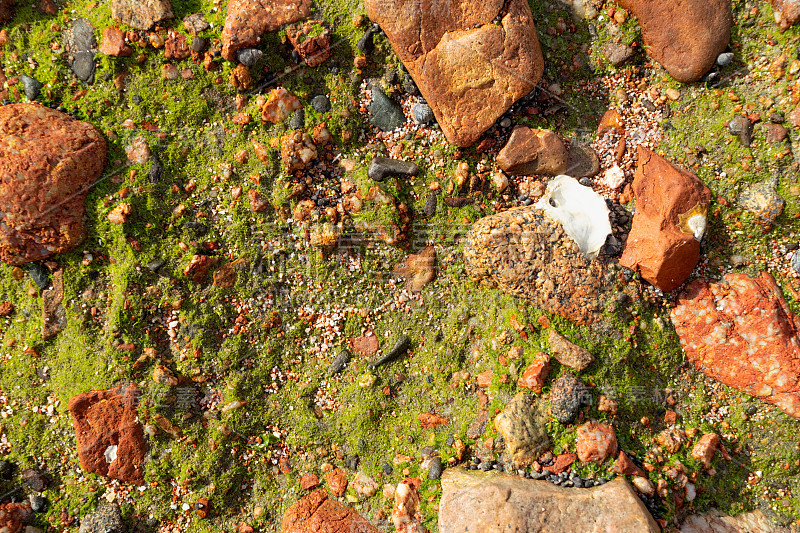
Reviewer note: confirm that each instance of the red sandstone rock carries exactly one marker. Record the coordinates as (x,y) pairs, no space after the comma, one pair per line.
(279,106)
(562,463)
(626,467)
(309,481)
(365,345)
(317,513)
(110,438)
(337,482)
(198,267)
(684,37)
(742,333)
(595,442)
(176,47)
(114,43)
(670,219)
(248,20)
(705,448)
(312,40)
(48,161)
(535,376)
(787,13)
(531,151)
(469,69)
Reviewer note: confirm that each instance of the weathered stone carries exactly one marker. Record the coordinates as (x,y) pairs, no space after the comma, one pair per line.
(535,376)
(670,220)
(48,162)
(14,515)
(110,438)
(6,10)
(312,40)
(742,333)
(527,254)
(671,439)
(617,53)
(419,269)
(337,481)
(469,69)
(176,47)
(787,13)
(141,14)
(482,502)
(530,151)
(365,486)
(198,267)
(384,113)
(195,23)
(523,427)
(595,442)
(106,518)
(567,353)
(705,448)
(764,202)
(406,515)
(248,20)
(717,522)
(567,395)
(298,151)
(625,467)
(684,37)
(582,161)
(225,276)
(381,168)
(776,133)
(113,43)
(317,513)
(279,106)
(54,318)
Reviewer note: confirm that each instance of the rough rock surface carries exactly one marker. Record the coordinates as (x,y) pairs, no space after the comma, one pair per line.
(567,395)
(524,429)
(535,376)
(669,222)
(113,43)
(705,448)
(684,37)
(13,516)
(318,513)
(787,12)
(248,20)
(742,333)
(106,518)
(48,160)
(106,426)
(717,522)
(481,502)
(530,151)
(567,353)
(312,40)
(141,14)
(6,10)
(469,69)
(595,442)
(525,253)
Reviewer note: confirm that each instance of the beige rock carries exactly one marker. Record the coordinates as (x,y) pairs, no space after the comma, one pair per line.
(717,522)
(567,353)
(491,502)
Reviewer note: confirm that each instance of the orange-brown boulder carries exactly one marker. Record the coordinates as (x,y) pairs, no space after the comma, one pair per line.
(686,36)
(318,513)
(248,20)
(670,220)
(470,60)
(742,333)
(110,437)
(48,162)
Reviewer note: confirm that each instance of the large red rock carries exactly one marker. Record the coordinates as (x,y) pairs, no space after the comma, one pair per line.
(48,162)
(787,12)
(531,151)
(110,437)
(684,36)
(469,68)
(742,333)
(670,220)
(318,513)
(248,20)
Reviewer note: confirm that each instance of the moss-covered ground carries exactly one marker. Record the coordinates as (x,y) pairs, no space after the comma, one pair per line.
(268,340)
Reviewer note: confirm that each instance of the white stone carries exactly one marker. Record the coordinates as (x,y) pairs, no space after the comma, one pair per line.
(614,177)
(582,213)
(111,453)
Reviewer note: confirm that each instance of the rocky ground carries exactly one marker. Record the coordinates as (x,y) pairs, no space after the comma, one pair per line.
(283,265)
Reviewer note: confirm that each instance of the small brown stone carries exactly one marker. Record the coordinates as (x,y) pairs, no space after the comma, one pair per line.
(176,47)
(419,269)
(705,448)
(535,376)
(625,467)
(312,40)
(567,353)
(309,481)
(531,151)
(113,43)
(337,482)
(258,203)
(365,344)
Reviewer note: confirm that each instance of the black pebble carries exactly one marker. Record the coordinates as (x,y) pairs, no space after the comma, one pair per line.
(31,86)
(366,44)
(351,461)
(338,364)
(387,469)
(40,275)
(156,171)
(155,265)
(199,44)
(429,210)
(435,470)
(298,120)
(383,167)
(321,103)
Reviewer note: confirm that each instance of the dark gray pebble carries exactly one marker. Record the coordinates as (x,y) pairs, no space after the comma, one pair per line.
(725,59)
(435,470)
(383,167)
(321,103)
(249,56)
(40,275)
(422,114)
(155,265)
(384,113)
(387,469)
(31,86)
(351,461)
(199,44)
(38,503)
(338,364)
(742,128)
(298,120)
(429,209)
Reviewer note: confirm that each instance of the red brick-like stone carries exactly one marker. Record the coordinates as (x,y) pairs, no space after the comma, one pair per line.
(314,50)
(48,162)
(684,37)
(337,482)
(661,245)
(113,43)
(248,20)
(595,442)
(531,151)
(705,448)
(742,333)
(317,513)
(109,418)
(535,376)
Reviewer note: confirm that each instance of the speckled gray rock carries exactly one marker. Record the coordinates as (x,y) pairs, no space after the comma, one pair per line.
(82,45)
(106,518)
(249,56)
(524,428)
(321,103)
(482,502)
(567,395)
(525,253)
(383,112)
(764,202)
(381,168)
(31,86)
(422,114)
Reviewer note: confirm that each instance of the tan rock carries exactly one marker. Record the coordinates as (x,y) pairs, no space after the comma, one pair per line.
(531,151)
(567,353)
(491,502)
(406,515)
(469,69)
(523,426)
(787,13)
(717,522)
(684,37)
(419,269)
(671,439)
(279,106)
(141,14)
